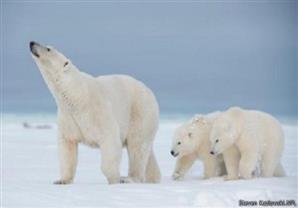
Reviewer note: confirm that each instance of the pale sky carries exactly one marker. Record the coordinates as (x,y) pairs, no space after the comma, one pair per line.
(195,56)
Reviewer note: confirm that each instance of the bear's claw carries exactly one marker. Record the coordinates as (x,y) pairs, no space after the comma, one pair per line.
(62,182)
(124,179)
(177,176)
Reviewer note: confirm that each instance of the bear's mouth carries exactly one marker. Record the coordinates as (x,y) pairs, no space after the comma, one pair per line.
(33,48)
(176,154)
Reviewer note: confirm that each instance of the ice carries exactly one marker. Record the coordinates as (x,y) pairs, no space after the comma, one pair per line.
(30,166)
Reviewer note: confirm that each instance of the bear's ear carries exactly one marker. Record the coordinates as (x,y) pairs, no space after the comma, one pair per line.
(199,119)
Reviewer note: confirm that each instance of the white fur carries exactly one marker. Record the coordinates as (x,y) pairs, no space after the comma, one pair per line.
(191,142)
(107,112)
(258,138)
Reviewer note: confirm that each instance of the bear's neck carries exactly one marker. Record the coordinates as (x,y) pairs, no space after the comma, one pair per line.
(204,140)
(67,89)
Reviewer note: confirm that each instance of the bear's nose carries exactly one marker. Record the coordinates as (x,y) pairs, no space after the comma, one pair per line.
(172,152)
(32,43)
(211,152)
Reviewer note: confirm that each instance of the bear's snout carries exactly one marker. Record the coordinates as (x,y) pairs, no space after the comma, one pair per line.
(212,153)
(33,48)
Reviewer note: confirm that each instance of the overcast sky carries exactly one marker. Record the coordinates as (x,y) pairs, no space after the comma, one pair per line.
(195,56)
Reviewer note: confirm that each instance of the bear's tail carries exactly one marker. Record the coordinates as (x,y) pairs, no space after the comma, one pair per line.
(152,170)
(279,170)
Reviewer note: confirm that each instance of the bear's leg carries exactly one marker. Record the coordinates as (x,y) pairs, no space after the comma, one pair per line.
(138,154)
(183,164)
(221,167)
(270,162)
(152,170)
(68,151)
(209,166)
(139,141)
(231,159)
(279,170)
(248,164)
(111,152)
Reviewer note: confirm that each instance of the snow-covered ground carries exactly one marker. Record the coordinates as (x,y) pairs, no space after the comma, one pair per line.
(30,165)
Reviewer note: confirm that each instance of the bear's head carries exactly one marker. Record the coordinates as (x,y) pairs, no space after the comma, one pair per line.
(222,135)
(49,60)
(187,137)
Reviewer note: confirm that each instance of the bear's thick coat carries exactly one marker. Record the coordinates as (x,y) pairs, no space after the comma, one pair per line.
(107,112)
(191,142)
(258,138)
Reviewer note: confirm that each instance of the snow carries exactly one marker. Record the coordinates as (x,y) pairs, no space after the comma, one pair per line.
(30,166)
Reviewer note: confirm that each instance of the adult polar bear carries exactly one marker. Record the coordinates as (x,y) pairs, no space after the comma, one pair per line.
(107,112)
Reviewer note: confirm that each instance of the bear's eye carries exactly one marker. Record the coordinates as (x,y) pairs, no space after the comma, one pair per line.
(178,143)
(216,141)
(65,64)
(189,134)
(48,49)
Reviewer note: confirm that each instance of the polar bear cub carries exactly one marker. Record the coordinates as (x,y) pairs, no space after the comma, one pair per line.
(106,112)
(258,137)
(191,142)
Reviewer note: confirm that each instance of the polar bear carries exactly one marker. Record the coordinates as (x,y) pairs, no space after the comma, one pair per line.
(191,142)
(258,137)
(107,112)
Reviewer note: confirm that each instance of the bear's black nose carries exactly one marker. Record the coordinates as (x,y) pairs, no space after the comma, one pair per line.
(172,153)
(211,152)
(32,43)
